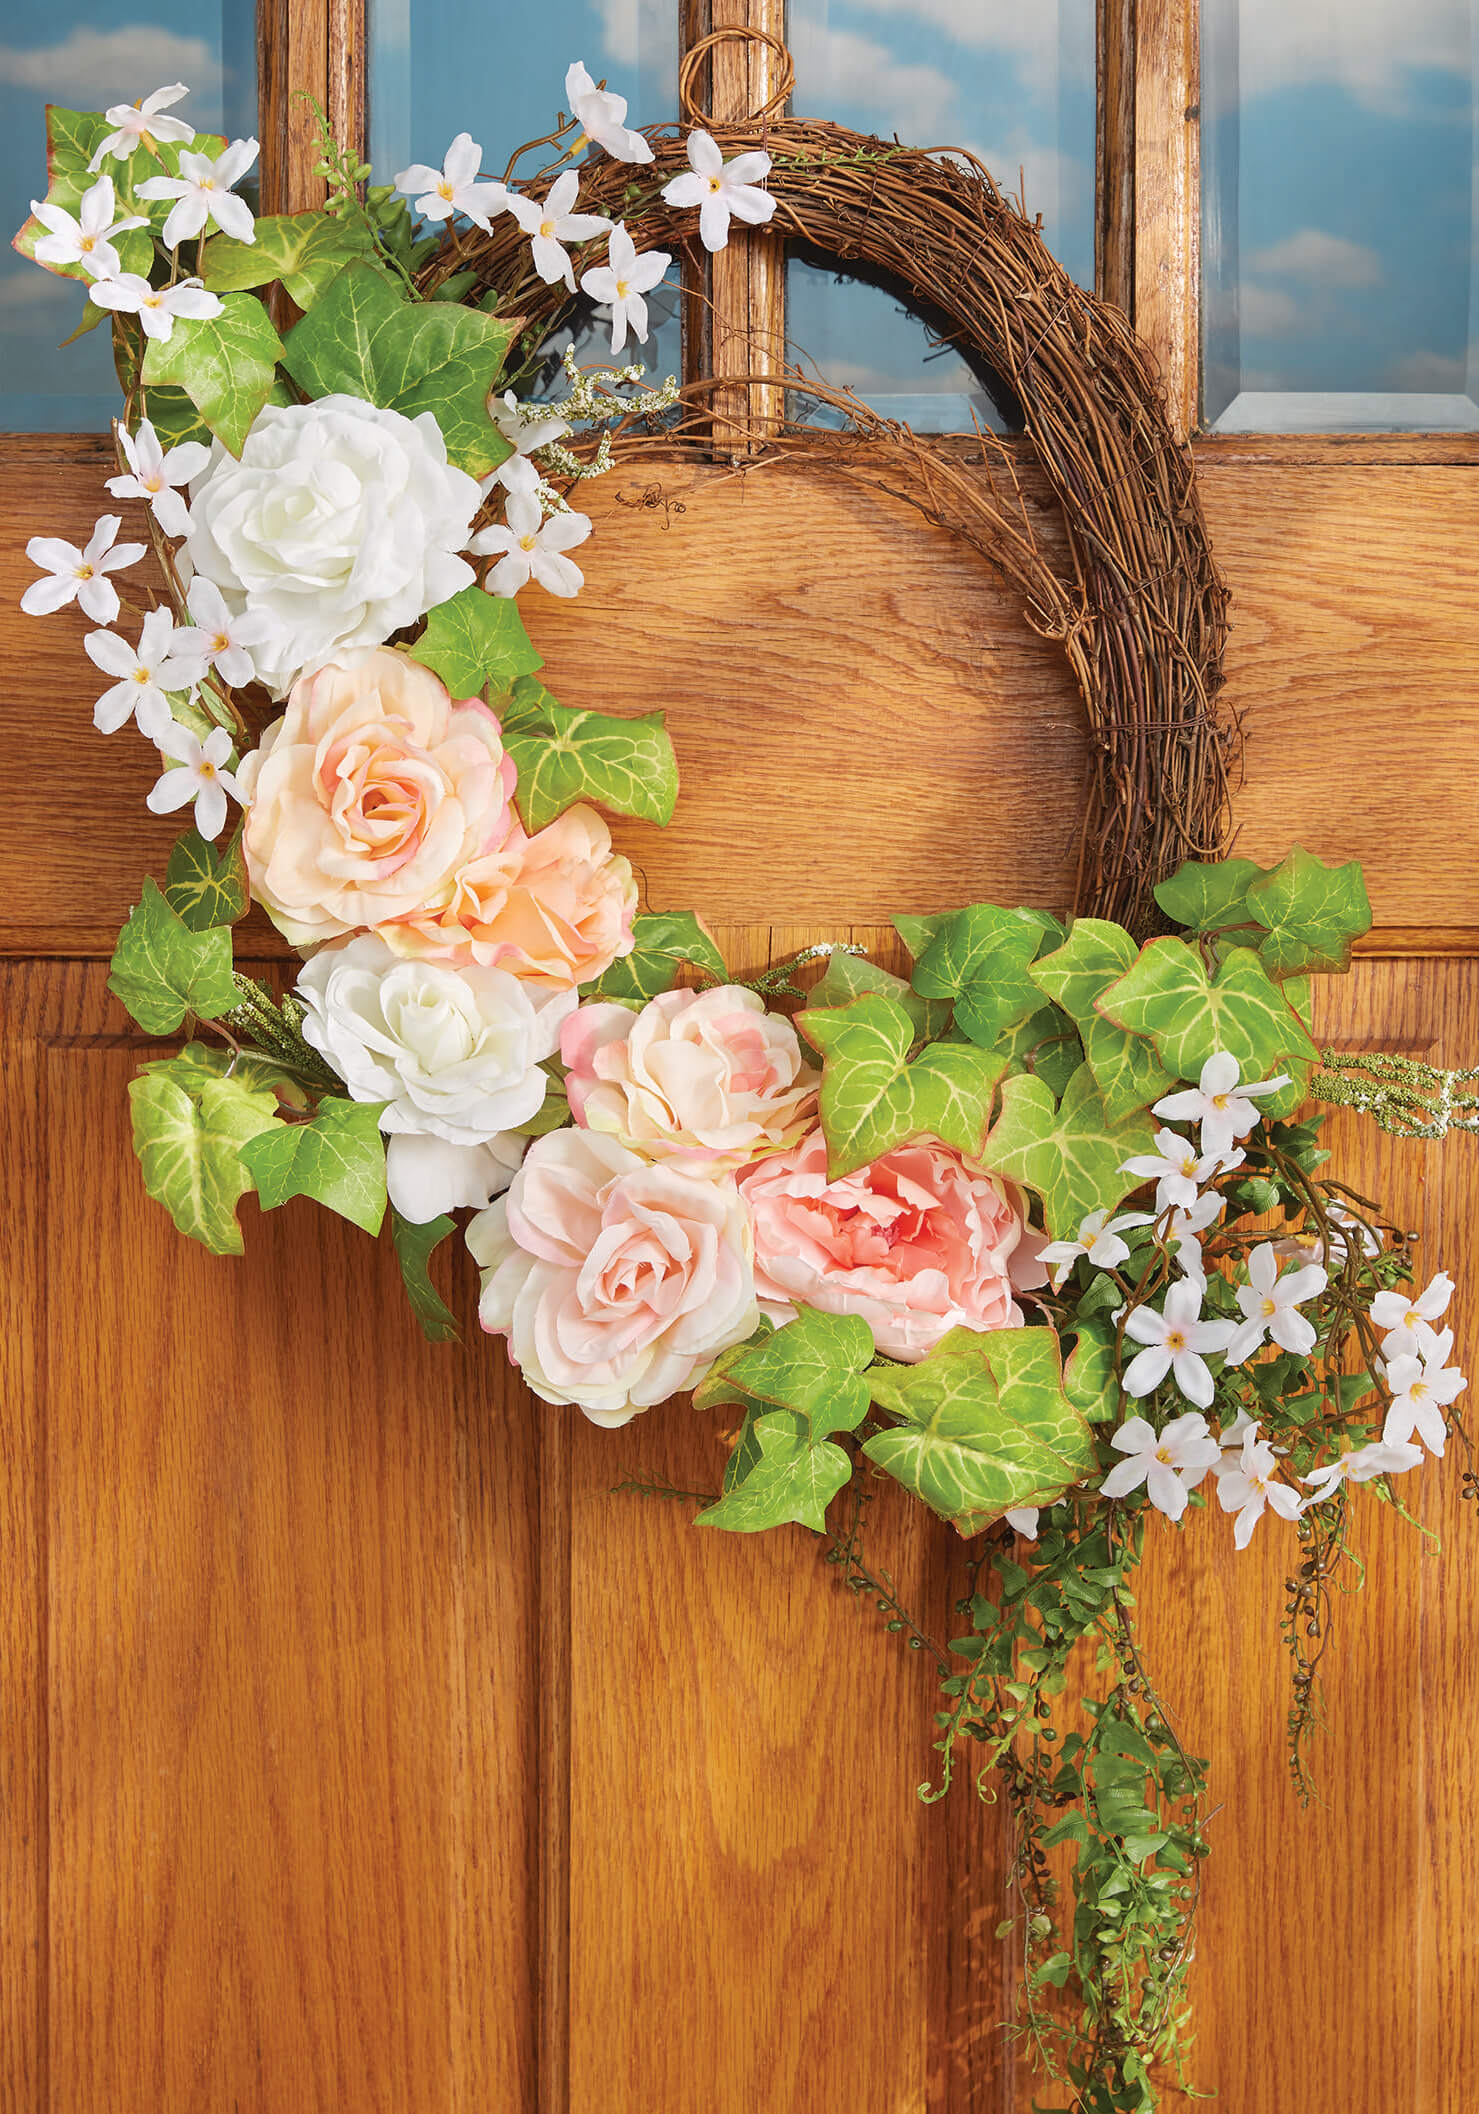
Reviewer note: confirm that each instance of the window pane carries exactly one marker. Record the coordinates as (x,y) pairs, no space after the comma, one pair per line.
(1013,80)
(85,55)
(1338,215)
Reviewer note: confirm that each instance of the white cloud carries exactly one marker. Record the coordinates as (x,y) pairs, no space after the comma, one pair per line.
(1317,258)
(1430,373)
(640,33)
(1368,47)
(1267,311)
(93,67)
(1046,38)
(841,66)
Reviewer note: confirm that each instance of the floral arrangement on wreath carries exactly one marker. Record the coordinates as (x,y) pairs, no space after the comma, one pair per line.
(1034,1232)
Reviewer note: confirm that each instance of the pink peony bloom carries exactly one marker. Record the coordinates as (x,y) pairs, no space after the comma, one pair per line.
(368,795)
(918,1243)
(616,1282)
(701,1078)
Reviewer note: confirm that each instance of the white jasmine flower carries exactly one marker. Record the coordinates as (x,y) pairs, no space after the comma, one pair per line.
(223,636)
(455,187)
(1023,1519)
(533,549)
(721,189)
(1182,1231)
(602,116)
(155,471)
(1175,1340)
(78,576)
(1408,1322)
(552,224)
(156,306)
(134,123)
(1169,1463)
(1366,1238)
(202,192)
(200,775)
(1249,1486)
(1269,1305)
(1098,1238)
(526,427)
(87,238)
(1422,1387)
(1361,1466)
(1223,1108)
(1232,1439)
(1177,1167)
(146,674)
(622,282)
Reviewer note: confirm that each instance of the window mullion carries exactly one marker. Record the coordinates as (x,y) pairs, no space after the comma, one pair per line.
(1167,201)
(293,53)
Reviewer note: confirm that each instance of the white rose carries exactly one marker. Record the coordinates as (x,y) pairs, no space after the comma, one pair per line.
(339,524)
(454,1053)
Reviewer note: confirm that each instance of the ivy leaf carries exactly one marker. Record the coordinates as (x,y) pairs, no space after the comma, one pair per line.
(661,943)
(563,755)
(977,958)
(986,1425)
(1046,1044)
(799,1384)
(414,1248)
(917,932)
(476,641)
(1089,1378)
(162,970)
(198,1066)
(226,365)
(1311,912)
(170,412)
(873,1098)
(72,138)
(851,976)
(189,1141)
(303,251)
(1168,995)
(1125,1066)
(1206,896)
(205,887)
(1069,1155)
(337,1158)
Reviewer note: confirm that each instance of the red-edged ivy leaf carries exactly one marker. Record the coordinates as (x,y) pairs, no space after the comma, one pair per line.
(1069,1154)
(873,1098)
(1125,1067)
(798,1385)
(1168,995)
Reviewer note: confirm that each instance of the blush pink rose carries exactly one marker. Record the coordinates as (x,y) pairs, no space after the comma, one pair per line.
(368,795)
(616,1282)
(555,909)
(918,1243)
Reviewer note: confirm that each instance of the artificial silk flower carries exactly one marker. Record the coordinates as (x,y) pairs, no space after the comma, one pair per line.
(1177,1168)
(200,775)
(533,549)
(154,471)
(87,238)
(156,306)
(551,225)
(1169,1463)
(1223,1108)
(1249,1487)
(1269,1305)
(1360,1466)
(80,576)
(721,189)
(1174,1340)
(145,673)
(526,427)
(622,282)
(1408,1322)
(1023,1519)
(602,116)
(1422,1387)
(1098,1239)
(455,187)
(136,123)
(1232,1439)
(202,192)
(224,636)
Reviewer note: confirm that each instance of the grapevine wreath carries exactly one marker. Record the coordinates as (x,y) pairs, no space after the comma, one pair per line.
(1038,1231)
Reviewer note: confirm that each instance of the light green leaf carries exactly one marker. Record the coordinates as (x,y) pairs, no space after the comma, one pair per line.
(563,755)
(1125,1067)
(205,887)
(872,1097)
(475,642)
(1207,895)
(977,958)
(72,137)
(161,970)
(303,251)
(662,942)
(798,1385)
(414,1247)
(986,1425)
(337,1158)
(917,932)
(1168,995)
(1047,1044)
(1312,912)
(782,1477)
(1089,1378)
(189,1138)
(199,1064)
(1070,1155)
(851,976)
(551,1113)
(226,365)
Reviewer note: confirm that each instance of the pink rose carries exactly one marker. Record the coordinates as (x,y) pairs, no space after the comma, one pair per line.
(702,1078)
(368,795)
(616,1282)
(555,908)
(918,1243)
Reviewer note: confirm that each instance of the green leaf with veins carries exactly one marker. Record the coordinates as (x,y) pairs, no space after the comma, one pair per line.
(189,1138)
(1168,995)
(161,970)
(986,1425)
(662,942)
(198,1066)
(337,1158)
(977,959)
(1046,1044)
(72,138)
(476,642)
(170,412)
(1090,1378)
(873,1098)
(205,887)
(798,1385)
(414,1247)
(226,365)
(916,933)
(851,976)
(563,754)
(1207,895)
(304,252)
(1096,954)
(1311,913)
(1070,1155)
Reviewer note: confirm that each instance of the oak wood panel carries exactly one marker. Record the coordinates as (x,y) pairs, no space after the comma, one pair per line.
(1167,196)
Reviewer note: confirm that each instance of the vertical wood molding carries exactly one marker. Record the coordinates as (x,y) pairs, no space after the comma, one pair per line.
(1167,181)
(747,324)
(345,100)
(292,54)
(1114,156)
(552,1773)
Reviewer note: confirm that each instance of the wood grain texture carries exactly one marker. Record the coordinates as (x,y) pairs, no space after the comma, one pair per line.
(293,56)
(748,277)
(1114,172)
(1167,197)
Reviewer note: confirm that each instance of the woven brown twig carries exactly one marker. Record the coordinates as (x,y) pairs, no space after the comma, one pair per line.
(1130,591)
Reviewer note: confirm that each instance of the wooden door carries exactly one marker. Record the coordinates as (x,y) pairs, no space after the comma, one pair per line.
(362,1750)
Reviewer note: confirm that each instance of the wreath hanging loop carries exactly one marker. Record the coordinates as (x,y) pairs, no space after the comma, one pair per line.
(696,56)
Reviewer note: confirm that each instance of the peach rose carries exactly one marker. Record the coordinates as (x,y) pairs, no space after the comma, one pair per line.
(368,795)
(919,1242)
(555,908)
(702,1078)
(616,1283)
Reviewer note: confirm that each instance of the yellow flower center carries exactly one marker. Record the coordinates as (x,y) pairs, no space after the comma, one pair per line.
(547,229)
(621,290)
(87,242)
(84,572)
(1175,1341)
(154,298)
(1189,1166)
(1270,1306)
(153,482)
(1219,1100)
(206,768)
(715,184)
(142,675)
(1163,1453)
(444,189)
(1418,1389)
(1412,1317)
(527,543)
(220,642)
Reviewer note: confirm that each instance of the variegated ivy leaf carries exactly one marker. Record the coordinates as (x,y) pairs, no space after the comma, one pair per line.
(1189,1016)
(226,365)
(662,943)
(563,755)
(337,1158)
(1090,1379)
(1208,895)
(798,1385)
(189,1139)
(977,959)
(206,887)
(873,1098)
(1125,1067)
(72,138)
(985,1425)
(303,251)
(1047,1044)
(414,1247)
(851,976)
(199,1065)
(161,970)
(1311,912)
(1069,1154)
(476,642)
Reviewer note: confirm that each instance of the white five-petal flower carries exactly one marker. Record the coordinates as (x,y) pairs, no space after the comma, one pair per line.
(220,638)
(622,283)
(456,187)
(1269,1306)
(1169,1463)
(202,192)
(1098,1238)
(200,774)
(154,471)
(1422,1386)
(1175,1339)
(721,189)
(1246,1486)
(1177,1167)
(1223,1108)
(134,123)
(526,434)
(85,238)
(145,674)
(602,116)
(532,548)
(1408,1322)
(551,225)
(156,306)
(1360,1466)
(81,576)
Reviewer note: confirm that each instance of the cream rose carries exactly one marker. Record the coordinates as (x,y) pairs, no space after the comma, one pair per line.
(697,1077)
(368,795)
(616,1282)
(339,524)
